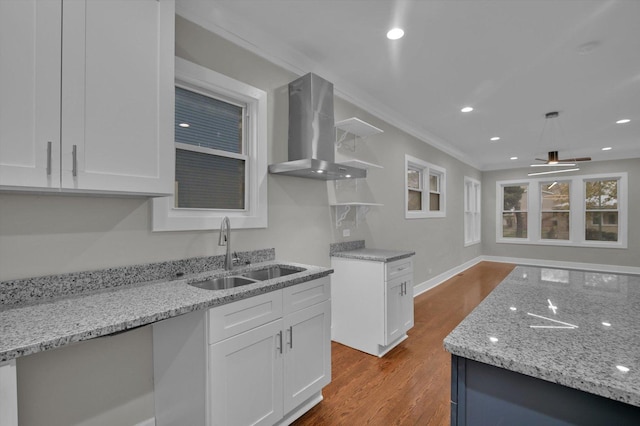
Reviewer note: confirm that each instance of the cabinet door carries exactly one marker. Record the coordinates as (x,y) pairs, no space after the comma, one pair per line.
(245,378)
(118,96)
(30,50)
(407,304)
(394,317)
(307,366)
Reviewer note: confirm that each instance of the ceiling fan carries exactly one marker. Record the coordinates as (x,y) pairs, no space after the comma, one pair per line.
(554,160)
(553,157)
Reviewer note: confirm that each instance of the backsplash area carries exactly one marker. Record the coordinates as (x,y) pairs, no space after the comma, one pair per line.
(32,290)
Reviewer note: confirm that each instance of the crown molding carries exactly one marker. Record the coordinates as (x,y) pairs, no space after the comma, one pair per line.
(235,30)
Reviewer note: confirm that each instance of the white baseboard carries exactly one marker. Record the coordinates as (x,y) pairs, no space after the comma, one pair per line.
(148,422)
(439,279)
(596,267)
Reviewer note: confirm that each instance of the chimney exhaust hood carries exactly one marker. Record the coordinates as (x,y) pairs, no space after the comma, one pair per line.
(312,133)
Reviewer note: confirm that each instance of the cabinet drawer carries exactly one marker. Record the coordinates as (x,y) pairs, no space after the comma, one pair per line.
(306,294)
(237,317)
(399,268)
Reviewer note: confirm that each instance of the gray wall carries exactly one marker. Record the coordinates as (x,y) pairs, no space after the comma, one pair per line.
(624,257)
(49,234)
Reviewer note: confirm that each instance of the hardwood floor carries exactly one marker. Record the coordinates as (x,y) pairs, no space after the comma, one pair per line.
(411,384)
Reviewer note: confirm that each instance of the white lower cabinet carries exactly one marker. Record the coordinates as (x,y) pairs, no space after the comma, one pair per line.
(372,303)
(258,361)
(245,378)
(8,394)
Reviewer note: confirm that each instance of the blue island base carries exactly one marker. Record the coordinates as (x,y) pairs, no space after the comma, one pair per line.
(483,394)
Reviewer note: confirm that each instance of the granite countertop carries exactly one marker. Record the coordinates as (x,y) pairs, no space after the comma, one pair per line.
(33,327)
(577,328)
(357,250)
(374,255)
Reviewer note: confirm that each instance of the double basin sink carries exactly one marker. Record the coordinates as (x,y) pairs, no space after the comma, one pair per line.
(246,278)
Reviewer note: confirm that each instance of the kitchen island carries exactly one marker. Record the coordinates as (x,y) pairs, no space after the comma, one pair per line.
(550,346)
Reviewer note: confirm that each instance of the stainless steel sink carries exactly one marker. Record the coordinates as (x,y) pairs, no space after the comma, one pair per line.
(271,272)
(223,283)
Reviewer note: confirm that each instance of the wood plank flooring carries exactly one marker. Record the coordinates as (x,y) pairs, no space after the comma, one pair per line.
(411,384)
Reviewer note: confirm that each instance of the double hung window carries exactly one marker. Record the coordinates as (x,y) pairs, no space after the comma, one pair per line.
(425,193)
(555,210)
(601,210)
(515,206)
(220,153)
(472,218)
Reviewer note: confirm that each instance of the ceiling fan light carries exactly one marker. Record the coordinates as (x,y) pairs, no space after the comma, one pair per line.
(553,171)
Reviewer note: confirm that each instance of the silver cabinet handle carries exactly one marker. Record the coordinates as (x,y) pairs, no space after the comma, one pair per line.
(49,158)
(279,348)
(291,337)
(74,154)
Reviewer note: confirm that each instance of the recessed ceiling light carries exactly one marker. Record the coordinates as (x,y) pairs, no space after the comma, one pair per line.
(183,124)
(466,109)
(395,33)
(606,148)
(493,339)
(622,368)
(495,138)
(513,158)
(623,121)
(606,324)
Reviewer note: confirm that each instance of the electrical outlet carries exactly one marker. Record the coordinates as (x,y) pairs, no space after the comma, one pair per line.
(346,232)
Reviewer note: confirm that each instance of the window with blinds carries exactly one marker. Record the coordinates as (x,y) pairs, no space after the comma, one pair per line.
(211,160)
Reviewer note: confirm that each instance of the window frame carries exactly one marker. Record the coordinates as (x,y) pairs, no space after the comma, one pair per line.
(472,211)
(426,169)
(166,217)
(577,215)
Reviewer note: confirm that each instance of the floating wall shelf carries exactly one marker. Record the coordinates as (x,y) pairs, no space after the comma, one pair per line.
(356,127)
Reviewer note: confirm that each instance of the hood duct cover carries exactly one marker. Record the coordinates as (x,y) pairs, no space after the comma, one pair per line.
(312,133)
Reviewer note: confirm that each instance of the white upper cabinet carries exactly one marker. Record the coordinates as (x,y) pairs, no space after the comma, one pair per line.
(111,115)
(30,64)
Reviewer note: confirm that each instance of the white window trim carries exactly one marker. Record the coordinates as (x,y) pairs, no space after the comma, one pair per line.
(427,169)
(577,214)
(168,218)
(476,211)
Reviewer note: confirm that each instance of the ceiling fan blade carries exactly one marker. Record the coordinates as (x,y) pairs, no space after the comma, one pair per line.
(541,159)
(576,159)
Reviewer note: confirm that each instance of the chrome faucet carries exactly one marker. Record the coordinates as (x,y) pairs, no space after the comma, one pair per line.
(225,240)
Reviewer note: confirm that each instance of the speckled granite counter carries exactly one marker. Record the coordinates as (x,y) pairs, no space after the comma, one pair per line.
(46,324)
(575,328)
(356,250)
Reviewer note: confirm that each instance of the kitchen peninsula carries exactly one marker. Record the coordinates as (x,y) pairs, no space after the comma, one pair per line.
(550,346)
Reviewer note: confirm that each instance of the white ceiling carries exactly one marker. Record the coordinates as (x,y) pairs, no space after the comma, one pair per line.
(511,60)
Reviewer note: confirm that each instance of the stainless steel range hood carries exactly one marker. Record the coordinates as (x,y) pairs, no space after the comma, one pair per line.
(312,133)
